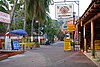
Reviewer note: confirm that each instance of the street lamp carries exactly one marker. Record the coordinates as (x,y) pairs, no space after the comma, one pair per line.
(37,29)
(37,21)
(37,26)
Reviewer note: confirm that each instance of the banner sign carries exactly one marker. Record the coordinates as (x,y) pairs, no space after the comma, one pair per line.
(4,17)
(70,21)
(64,10)
(67,44)
(76,33)
(71,28)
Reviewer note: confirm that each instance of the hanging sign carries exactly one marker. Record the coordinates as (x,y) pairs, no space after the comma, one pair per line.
(64,10)
(71,28)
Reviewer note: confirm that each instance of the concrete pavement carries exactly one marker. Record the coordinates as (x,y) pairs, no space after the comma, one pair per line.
(48,56)
(28,59)
(96,60)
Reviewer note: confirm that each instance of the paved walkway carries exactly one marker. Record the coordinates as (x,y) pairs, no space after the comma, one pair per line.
(28,59)
(32,59)
(48,56)
(96,60)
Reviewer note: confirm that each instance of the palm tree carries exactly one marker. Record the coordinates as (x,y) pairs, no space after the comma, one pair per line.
(37,10)
(4,6)
(25,14)
(12,14)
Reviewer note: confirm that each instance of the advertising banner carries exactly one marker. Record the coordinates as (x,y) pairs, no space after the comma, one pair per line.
(76,33)
(64,10)
(70,21)
(4,17)
(15,45)
(71,28)
(67,44)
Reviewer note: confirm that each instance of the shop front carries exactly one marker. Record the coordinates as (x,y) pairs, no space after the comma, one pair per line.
(89,28)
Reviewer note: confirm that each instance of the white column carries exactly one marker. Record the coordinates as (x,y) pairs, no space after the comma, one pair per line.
(7,43)
(84,38)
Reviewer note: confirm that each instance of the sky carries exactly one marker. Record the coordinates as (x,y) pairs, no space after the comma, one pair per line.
(83,5)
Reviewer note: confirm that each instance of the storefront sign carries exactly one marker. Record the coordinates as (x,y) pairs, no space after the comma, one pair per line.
(4,17)
(64,10)
(71,28)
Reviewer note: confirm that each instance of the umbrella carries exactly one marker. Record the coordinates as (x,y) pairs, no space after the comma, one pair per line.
(19,32)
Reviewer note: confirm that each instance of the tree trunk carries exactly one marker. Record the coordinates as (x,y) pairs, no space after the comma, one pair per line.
(32,29)
(11,16)
(25,15)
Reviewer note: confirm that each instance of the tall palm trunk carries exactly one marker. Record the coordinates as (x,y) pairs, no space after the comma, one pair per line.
(32,28)
(12,15)
(25,15)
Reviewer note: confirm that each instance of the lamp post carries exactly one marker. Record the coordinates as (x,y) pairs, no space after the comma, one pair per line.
(37,29)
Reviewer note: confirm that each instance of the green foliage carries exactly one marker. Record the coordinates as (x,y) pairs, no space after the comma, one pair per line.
(4,6)
(18,19)
(28,27)
(11,1)
(51,29)
(2,27)
(37,9)
(60,35)
(98,59)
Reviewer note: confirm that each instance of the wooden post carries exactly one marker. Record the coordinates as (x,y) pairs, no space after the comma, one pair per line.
(92,40)
(84,39)
(81,23)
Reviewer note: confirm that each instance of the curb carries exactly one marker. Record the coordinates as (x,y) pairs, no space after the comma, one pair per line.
(92,60)
(4,56)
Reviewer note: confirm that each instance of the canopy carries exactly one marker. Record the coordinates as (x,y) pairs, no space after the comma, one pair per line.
(19,32)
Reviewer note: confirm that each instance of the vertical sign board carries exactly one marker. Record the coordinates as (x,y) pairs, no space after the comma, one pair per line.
(64,10)
(4,17)
(76,33)
(67,44)
(15,45)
